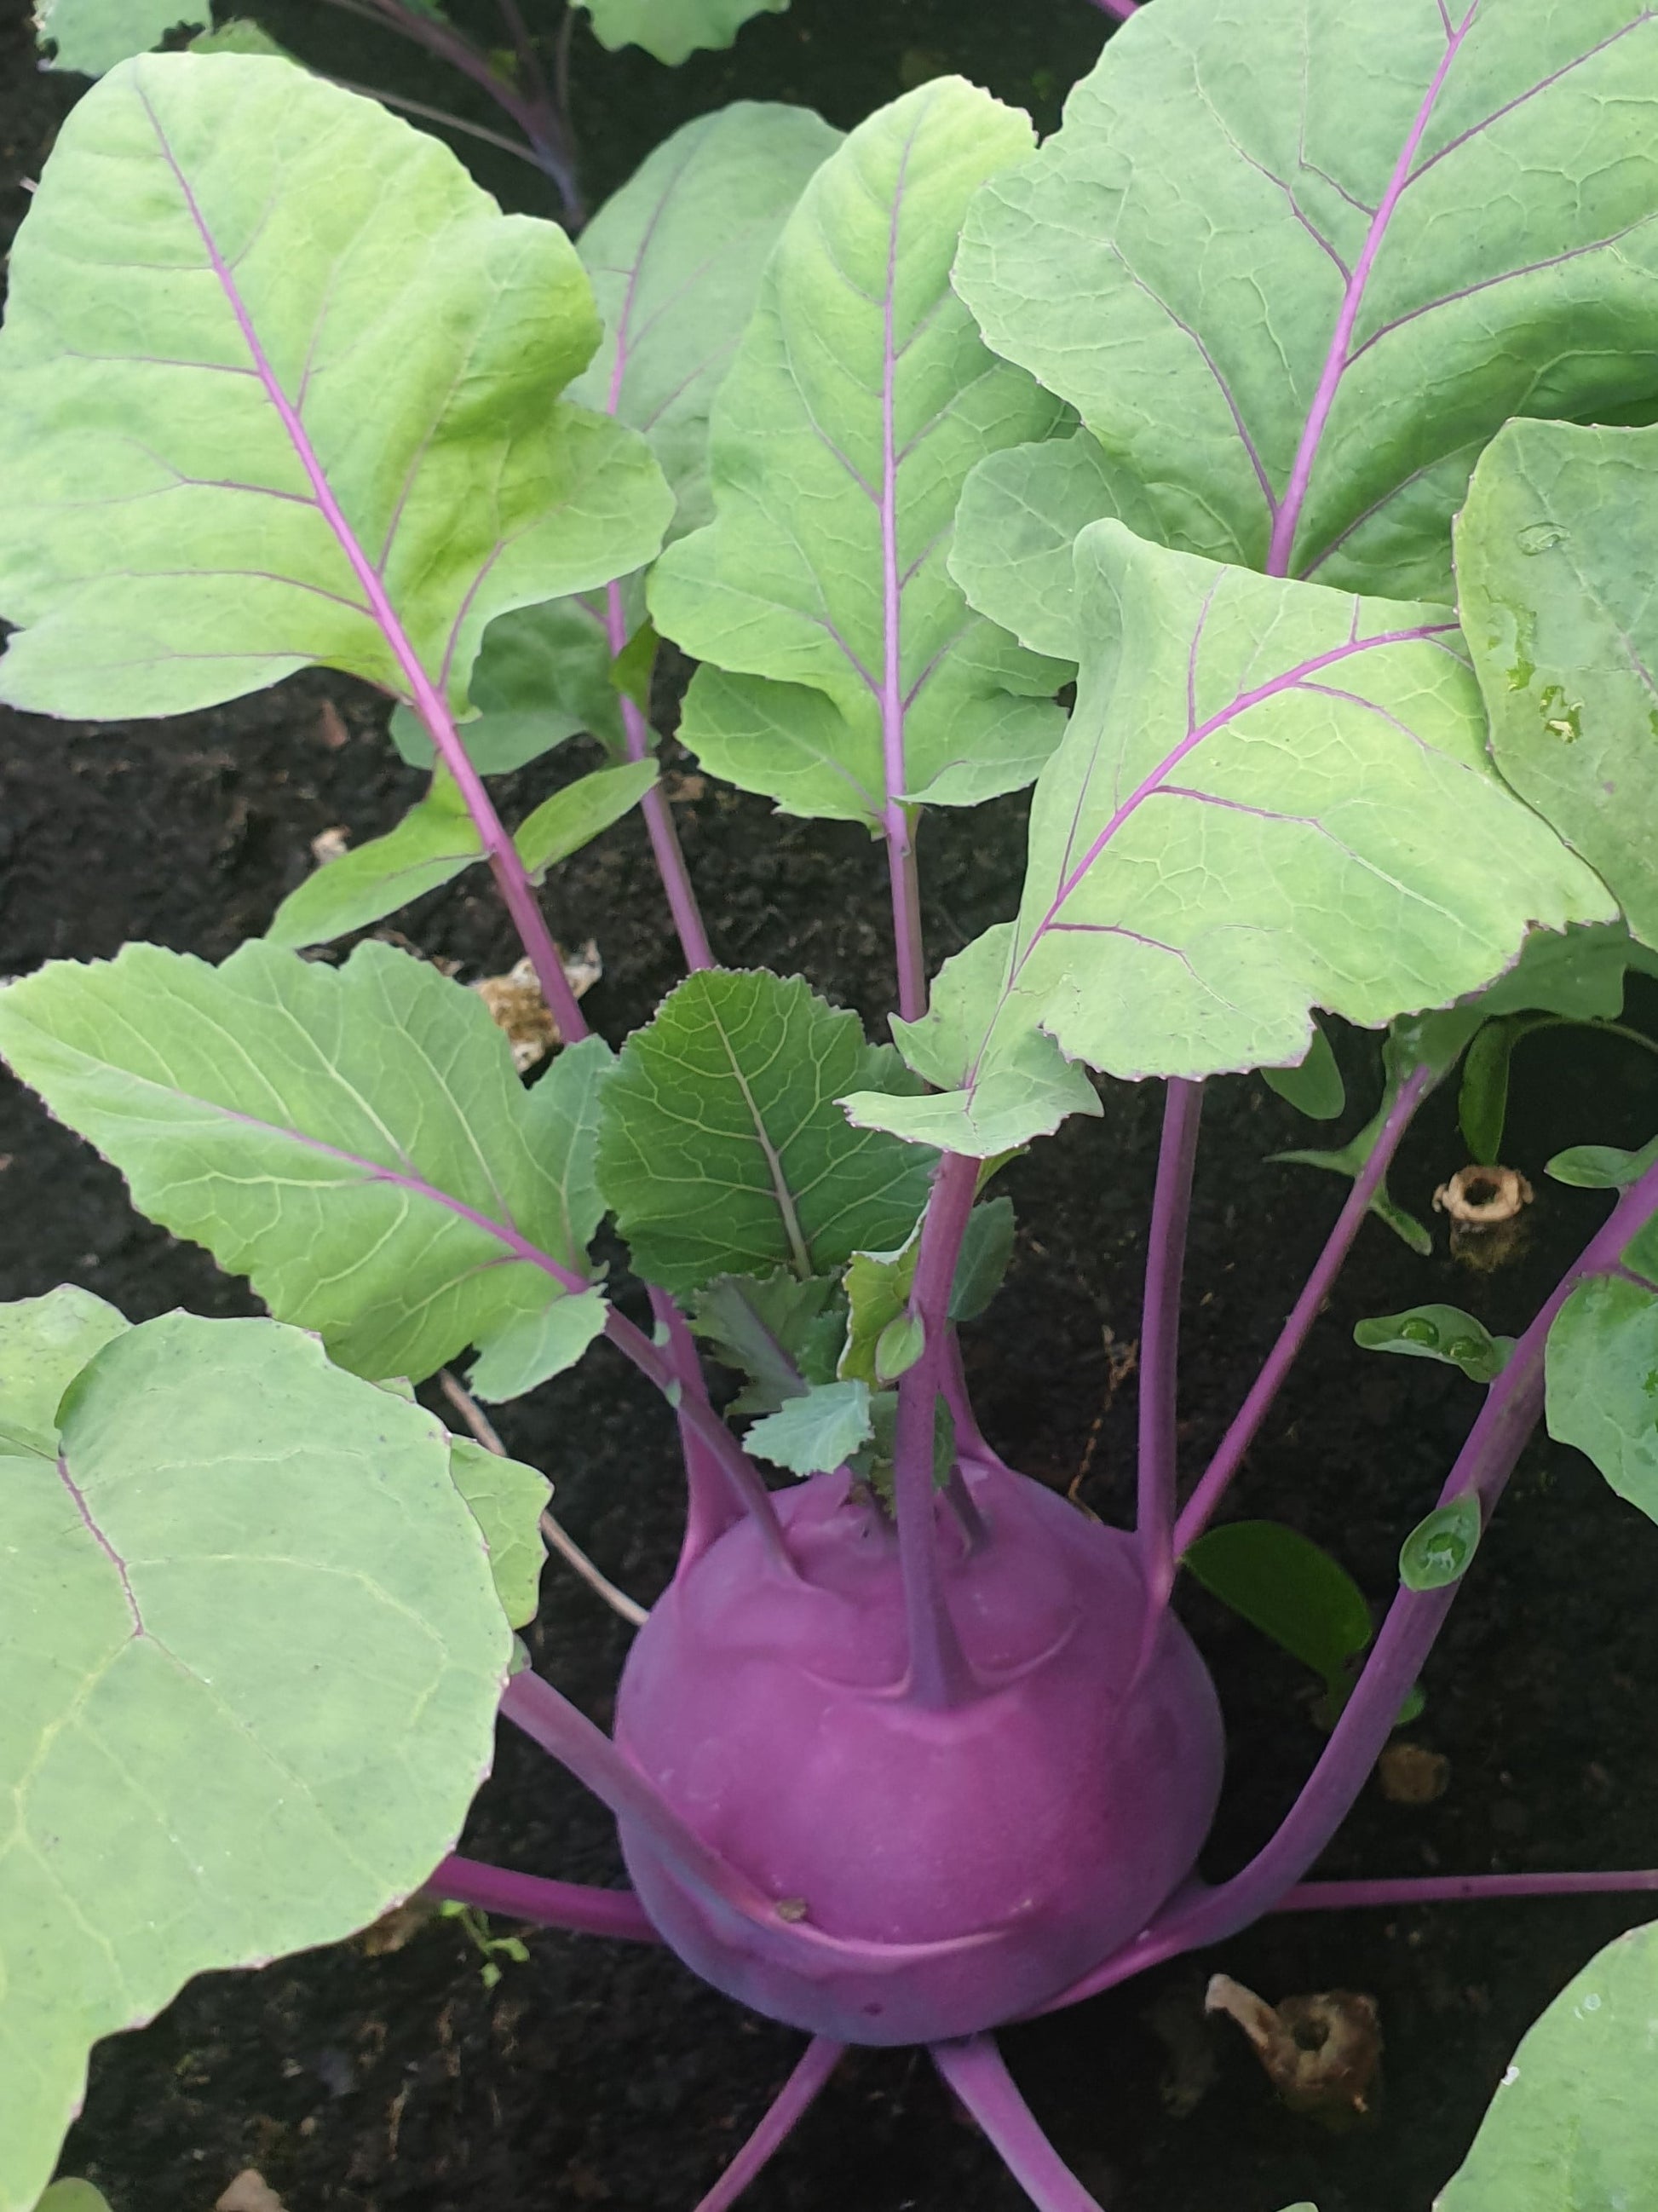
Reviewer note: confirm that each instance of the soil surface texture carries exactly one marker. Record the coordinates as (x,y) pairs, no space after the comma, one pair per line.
(366,2078)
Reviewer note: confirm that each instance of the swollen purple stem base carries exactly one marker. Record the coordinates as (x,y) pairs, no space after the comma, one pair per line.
(975,2070)
(795,2097)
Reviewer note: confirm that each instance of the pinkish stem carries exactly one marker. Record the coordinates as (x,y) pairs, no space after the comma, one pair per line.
(975,2070)
(659,819)
(795,2097)
(1200,1508)
(573,1905)
(1459,1889)
(1123,10)
(1171,1207)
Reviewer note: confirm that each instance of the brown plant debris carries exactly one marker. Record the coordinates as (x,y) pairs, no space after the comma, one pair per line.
(516,1005)
(1482,1198)
(330,845)
(249,2192)
(1411,1774)
(1322,2054)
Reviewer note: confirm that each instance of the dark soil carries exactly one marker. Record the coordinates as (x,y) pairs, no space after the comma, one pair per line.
(603,2075)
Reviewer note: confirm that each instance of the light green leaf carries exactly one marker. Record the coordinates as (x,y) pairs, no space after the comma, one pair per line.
(252,1657)
(45,1342)
(542,676)
(573,817)
(506,1499)
(1314,1087)
(1289,1588)
(1601,1167)
(817,1432)
(877,1286)
(242,35)
(782,1333)
(1440,1549)
(846,671)
(431,844)
(676,257)
(1023,1085)
(353,1139)
(1270,797)
(671,29)
(231,271)
(1294,262)
(1555,551)
(722,1149)
(1603,1371)
(1438,1332)
(1578,974)
(1573,2127)
(1020,512)
(73,2196)
(91,36)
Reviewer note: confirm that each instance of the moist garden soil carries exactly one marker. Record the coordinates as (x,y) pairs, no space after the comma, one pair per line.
(383,2075)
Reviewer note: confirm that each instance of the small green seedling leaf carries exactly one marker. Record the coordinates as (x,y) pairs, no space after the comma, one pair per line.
(1602,1383)
(242,35)
(987,1250)
(815,1433)
(1315,1088)
(898,1347)
(91,36)
(1440,1548)
(431,844)
(506,1499)
(1482,1105)
(542,676)
(671,29)
(1572,2126)
(73,2196)
(1289,1588)
(1437,1332)
(1601,1167)
(573,817)
(247,1627)
(354,1139)
(723,1150)
(782,1333)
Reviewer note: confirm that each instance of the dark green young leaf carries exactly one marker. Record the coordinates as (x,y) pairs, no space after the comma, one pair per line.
(573,817)
(1602,1370)
(1440,1548)
(782,1333)
(987,1248)
(506,1499)
(1442,1332)
(193,508)
(816,1431)
(1482,1105)
(431,844)
(255,1569)
(1294,262)
(723,1150)
(1315,1088)
(1554,548)
(1601,1167)
(1290,1589)
(1572,2127)
(73,2196)
(354,1140)
(542,676)
(844,670)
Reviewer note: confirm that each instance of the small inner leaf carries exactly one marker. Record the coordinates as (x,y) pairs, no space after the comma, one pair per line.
(1438,1550)
(1438,1332)
(1291,1590)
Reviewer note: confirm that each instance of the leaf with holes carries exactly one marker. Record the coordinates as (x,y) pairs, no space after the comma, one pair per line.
(846,671)
(91,36)
(353,1139)
(251,1656)
(278,386)
(722,1149)
(673,29)
(1555,552)
(1294,262)
(1270,797)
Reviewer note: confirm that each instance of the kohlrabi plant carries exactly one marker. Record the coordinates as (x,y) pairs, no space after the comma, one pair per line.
(1259,468)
